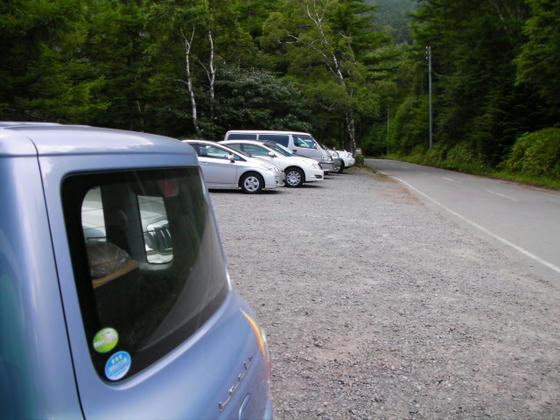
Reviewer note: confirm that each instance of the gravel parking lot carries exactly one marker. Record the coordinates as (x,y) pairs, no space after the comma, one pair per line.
(376,305)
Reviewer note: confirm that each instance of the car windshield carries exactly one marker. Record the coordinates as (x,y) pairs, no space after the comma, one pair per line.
(305,141)
(147,262)
(280,149)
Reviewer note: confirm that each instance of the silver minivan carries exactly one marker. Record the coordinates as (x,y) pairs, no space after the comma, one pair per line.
(115,300)
(300,143)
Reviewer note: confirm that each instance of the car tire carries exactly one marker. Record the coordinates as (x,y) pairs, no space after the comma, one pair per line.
(341,169)
(294,177)
(251,183)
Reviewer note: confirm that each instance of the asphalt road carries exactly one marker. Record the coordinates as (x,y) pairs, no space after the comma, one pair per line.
(526,220)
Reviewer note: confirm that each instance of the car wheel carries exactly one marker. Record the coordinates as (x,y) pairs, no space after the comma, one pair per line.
(341,167)
(251,183)
(294,177)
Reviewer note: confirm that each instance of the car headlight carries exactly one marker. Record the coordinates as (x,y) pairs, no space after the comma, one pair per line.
(316,165)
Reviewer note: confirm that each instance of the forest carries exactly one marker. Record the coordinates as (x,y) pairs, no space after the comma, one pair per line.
(352,72)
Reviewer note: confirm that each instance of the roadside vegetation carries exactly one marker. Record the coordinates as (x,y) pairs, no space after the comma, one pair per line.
(352,72)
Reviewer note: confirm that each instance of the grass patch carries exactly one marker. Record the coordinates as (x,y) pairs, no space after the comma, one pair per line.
(364,168)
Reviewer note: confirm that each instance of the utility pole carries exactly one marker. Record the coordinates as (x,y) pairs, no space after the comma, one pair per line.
(429,58)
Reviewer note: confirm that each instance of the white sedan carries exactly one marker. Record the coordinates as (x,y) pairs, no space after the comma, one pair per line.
(225,168)
(347,158)
(297,169)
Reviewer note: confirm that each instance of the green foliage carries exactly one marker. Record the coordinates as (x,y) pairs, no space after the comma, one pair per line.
(473,45)
(360,160)
(44,72)
(489,61)
(409,128)
(393,17)
(538,63)
(256,99)
(325,66)
(536,153)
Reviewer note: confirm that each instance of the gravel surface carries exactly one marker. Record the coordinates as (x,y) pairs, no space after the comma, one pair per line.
(377,305)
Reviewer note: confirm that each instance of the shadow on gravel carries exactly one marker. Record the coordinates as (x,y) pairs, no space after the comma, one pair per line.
(239,192)
(312,186)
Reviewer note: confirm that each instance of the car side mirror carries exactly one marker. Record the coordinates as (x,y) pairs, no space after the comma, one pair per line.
(231,158)
(295,151)
(272,154)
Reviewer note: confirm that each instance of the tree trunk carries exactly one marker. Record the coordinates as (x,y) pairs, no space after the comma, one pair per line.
(351,130)
(188,45)
(333,64)
(212,69)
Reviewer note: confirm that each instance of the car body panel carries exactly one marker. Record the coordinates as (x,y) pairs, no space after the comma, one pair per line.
(28,279)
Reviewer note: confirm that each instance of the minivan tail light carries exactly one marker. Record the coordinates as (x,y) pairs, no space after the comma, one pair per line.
(257,331)
(263,345)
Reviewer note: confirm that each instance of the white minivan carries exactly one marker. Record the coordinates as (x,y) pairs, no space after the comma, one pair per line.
(300,143)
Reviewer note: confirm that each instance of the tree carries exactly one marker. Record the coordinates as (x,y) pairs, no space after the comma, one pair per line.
(473,45)
(538,64)
(192,41)
(256,99)
(321,44)
(43,71)
(115,46)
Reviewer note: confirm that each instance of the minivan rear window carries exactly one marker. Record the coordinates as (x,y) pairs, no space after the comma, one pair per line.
(278,138)
(147,262)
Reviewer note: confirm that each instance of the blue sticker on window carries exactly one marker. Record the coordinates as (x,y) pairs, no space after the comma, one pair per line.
(118,365)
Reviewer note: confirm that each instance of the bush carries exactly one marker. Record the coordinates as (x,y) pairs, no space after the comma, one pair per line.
(463,155)
(536,153)
(360,160)
(436,155)
(409,127)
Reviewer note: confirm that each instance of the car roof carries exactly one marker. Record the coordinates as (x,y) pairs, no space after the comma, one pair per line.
(255,142)
(29,138)
(266,132)
(211,143)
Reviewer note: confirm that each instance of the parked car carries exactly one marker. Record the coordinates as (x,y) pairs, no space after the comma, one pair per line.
(296,169)
(99,322)
(338,164)
(226,168)
(348,160)
(302,144)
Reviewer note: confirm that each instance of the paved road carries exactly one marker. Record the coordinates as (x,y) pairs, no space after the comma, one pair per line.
(524,219)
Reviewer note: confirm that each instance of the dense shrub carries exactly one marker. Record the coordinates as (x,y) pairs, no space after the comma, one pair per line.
(374,142)
(409,127)
(536,153)
(463,155)
(360,160)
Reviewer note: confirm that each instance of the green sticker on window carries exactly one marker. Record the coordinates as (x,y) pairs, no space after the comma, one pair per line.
(105,340)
